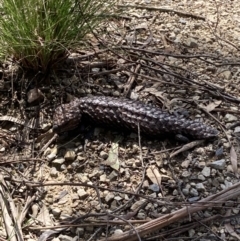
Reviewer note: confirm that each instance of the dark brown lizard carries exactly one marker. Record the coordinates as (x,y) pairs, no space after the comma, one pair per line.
(127,114)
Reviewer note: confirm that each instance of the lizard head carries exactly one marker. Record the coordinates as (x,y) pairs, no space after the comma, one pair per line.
(66,117)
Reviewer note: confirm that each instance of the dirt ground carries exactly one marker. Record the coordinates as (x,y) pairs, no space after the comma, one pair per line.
(105,184)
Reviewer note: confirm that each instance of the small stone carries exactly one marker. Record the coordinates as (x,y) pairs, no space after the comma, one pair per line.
(75,204)
(70,155)
(185,191)
(46,126)
(193,199)
(193,184)
(95,204)
(118,232)
(200,150)
(63,200)
(137,163)
(175,192)
(154,187)
(222,186)
(75,165)
(103,155)
(80,231)
(164,210)
(219,165)
(191,232)
(51,156)
(58,161)
(186,174)
(82,193)
(67,238)
(116,93)
(141,215)
(63,167)
(35,209)
(185,164)
(227,74)
(229,168)
(22,189)
(145,184)
(201,165)
(94,173)
(56,211)
(103,178)
(201,177)
(227,145)
(183,21)
(109,197)
(194,192)
(191,43)
(2,149)
(118,198)
(213,172)
(74,196)
(113,176)
(53,172)
(200,187)
(206,171)
(96,70)
(230,118)
(82,178)
(207,214)
(35,96)
(114,205)
(172,60)
(237,129)
(219,151)
(67,210)
(227,184)
(81,158)
(50,200)
(51,153)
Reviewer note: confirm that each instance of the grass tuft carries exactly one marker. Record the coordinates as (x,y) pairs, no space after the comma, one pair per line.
(39,33)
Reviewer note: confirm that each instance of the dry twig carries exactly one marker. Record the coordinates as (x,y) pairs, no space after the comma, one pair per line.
(153,225)
(164,10)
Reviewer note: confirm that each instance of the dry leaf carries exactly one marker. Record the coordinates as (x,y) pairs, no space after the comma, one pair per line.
(229,227)
(231,231)
(154,175)
(113,160)
(158,94)
(210,107)
(44,216)
(233,157)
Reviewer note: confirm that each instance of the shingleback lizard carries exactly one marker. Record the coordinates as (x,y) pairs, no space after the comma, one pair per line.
(127,114)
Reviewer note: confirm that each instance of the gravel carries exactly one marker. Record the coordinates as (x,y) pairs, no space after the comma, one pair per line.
(104,173)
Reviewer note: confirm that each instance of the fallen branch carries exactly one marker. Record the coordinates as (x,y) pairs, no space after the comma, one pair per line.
(154,225)
(8,222)
(164,10)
